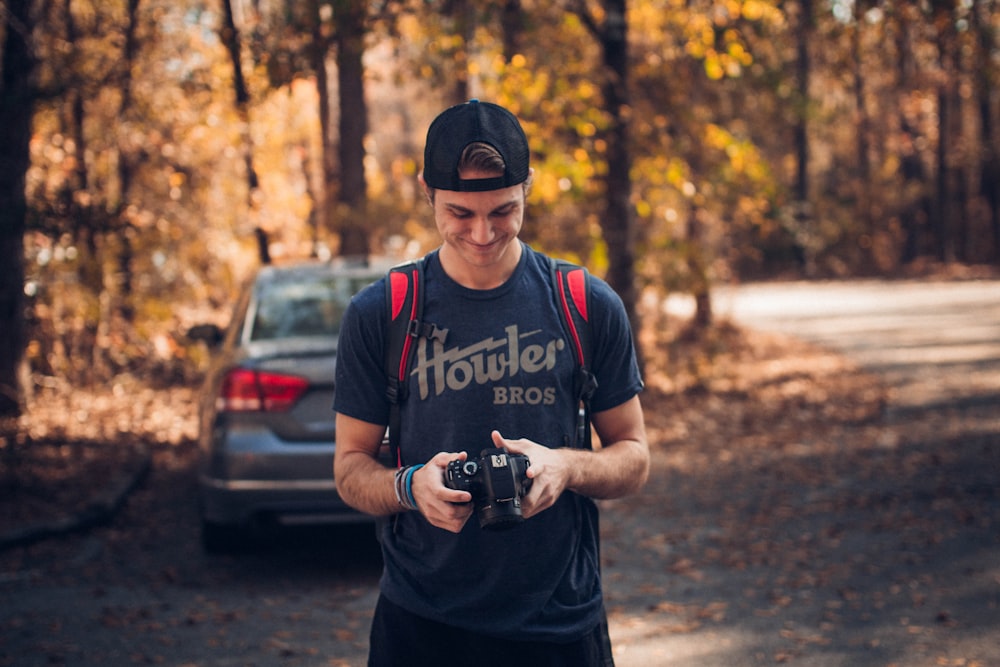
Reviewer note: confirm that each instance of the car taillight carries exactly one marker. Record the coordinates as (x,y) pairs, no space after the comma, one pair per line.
(245,390)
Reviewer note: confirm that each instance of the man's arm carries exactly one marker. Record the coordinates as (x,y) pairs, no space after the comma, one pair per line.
(369,487)
(619,467)
(363,482)
(622,462)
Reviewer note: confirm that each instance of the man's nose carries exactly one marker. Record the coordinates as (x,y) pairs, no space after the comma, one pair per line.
(482,230)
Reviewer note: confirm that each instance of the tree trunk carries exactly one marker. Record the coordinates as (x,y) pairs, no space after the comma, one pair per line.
(942,208)
(962,170)
(942,223)
(512,20)
(863,122)
(324,214)
(989,179)
(230,36)
(700,285)
(803,72)
(915,206)
(353,195)
(463,17)
(618,222)
(127,164)
(17,101)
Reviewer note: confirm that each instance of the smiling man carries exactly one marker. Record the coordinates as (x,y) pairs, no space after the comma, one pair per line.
(501,379)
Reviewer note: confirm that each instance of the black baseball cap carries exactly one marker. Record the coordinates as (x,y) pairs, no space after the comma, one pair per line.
(472,122)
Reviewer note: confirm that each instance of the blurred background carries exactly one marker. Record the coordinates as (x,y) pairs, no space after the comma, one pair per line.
(155,152)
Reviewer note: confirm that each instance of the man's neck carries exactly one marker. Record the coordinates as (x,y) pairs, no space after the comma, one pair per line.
(481,277)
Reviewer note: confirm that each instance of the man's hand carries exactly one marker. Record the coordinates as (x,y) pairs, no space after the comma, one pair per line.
(549,472)
(618,467)
(442,507)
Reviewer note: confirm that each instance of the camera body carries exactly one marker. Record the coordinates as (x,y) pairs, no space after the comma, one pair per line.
(497,481)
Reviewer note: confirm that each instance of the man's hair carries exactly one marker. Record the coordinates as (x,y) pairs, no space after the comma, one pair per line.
(480,156)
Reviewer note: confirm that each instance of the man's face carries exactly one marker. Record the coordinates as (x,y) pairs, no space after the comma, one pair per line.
(479,227)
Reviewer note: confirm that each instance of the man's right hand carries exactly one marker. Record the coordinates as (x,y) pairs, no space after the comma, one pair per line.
(442,507)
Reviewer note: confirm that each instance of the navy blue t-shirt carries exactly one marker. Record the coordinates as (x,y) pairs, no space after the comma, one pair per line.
(504,365)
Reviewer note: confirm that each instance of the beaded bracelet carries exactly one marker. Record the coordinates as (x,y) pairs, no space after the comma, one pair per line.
(398,486)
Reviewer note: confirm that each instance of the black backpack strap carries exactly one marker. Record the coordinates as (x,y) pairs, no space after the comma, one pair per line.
(572,291)
(404,287)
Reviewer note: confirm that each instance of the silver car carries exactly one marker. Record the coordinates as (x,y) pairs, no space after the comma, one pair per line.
(266,430)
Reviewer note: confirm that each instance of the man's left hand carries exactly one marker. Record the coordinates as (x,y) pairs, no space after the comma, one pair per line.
(550,472)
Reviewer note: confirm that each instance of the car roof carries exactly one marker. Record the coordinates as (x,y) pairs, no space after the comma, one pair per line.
(349,267)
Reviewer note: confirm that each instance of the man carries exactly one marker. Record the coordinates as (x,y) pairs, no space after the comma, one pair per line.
(453,593)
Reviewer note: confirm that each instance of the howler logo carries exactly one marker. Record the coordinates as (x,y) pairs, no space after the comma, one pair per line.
(487,361)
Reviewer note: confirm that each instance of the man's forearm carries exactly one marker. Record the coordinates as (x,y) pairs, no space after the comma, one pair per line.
(617,470)
(366,485)
(621,466)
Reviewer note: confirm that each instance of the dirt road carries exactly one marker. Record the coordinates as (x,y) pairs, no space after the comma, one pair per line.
(867,541)
(933,342)
(836,523)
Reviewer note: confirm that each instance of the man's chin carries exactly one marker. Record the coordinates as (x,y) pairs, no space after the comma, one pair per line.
(484,257)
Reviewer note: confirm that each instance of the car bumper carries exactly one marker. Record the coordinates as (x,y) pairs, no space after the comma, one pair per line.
(241,502)
(257,477)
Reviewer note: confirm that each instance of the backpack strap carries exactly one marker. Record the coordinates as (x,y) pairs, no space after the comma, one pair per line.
(572,291)
(404,287)
(405,300)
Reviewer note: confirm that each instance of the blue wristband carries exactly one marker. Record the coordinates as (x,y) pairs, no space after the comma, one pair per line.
(409,484)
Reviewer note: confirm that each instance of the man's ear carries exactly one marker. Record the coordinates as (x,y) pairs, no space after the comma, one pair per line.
(428,190)
(529,181)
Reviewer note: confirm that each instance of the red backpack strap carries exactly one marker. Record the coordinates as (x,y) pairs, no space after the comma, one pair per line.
(572,292)
(404,296)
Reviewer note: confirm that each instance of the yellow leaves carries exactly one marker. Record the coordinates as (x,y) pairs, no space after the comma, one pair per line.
(546,187)
(727,63)
(518,83)
(717,136)
(713,38)
(447,43)
(713,67)
(739,54)
(587,90)
(660,169)
(700,36)
(643,208)
(647,16)
(561,175)
(762,11)
(744,158)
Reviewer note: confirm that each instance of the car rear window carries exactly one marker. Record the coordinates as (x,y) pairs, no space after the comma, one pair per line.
(302,307)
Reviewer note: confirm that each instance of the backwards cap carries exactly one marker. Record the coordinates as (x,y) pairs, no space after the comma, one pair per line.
(461,125)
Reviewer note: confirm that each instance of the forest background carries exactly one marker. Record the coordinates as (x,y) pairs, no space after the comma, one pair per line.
(154,152)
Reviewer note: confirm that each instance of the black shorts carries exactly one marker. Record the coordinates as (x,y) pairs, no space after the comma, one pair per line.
(402,639)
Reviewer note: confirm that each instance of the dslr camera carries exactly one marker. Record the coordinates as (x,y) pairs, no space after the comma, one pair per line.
(497,481)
